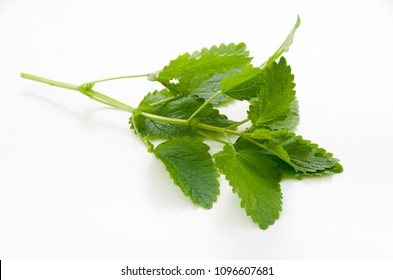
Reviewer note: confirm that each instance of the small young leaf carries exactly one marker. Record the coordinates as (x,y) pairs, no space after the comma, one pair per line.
(284,46)
(246,84)
(276,94)
(192,168)
(255,178)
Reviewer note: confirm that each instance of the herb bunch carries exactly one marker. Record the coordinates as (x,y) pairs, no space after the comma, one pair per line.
(184,114)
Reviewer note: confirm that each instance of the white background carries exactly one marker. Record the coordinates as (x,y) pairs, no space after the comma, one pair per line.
(76,183)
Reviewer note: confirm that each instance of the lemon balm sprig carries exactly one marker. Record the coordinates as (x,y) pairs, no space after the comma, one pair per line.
(185,114)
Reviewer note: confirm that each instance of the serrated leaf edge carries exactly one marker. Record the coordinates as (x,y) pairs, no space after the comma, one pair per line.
(216,175)
(242,203)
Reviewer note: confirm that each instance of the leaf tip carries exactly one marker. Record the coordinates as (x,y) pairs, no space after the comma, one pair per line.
(298,21)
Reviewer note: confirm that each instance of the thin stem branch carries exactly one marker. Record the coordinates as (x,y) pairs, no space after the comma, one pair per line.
(164,119)
(236,124)
(188,123)
(163,101)
(207,136)
(100,97)
(114,78)
(230,142)
(204,105)
(254,142)
(148,144)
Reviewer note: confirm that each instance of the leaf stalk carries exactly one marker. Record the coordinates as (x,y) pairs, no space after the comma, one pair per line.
(207,102)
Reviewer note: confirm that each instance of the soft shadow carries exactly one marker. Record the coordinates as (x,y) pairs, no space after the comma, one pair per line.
(232,217)
(160,187)
(86,117)
(162,190)
(309,180)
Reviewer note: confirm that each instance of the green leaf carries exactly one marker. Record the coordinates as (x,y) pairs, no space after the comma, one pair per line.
(179,108)
(308,157)
(260,138)
(255,178)
(276,95)
(289,121)
(265,134)
(199,73)
(207,87)
(243,85)
(246,84)
(301,157)
(155,130)
(154,97)
(192,169)
(284,46)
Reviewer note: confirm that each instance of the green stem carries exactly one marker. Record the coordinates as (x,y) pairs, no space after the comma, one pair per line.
(164,119)
(148,144)
(245,130)
(100,97)
(114,78)
(254,142)
(236,124)
(84,89)
(104,99)
(204,105)
(50,82)
(163,101)
(212,128)
(188,123)
(212,138)
(230,142)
